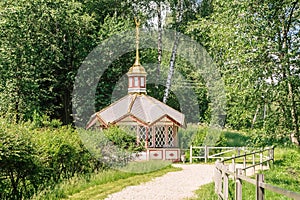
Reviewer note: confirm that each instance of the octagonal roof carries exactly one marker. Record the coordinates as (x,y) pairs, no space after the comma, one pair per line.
(137,108)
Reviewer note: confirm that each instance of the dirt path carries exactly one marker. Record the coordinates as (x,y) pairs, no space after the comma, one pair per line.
(173,185)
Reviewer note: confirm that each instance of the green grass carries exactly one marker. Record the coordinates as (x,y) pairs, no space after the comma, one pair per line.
(285,173)
(100,185)
(206,192)
(235,139)
(145,166)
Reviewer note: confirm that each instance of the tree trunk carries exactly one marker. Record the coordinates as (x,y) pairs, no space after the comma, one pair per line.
(159,43)
(255,116)
(291,94)
(173,56)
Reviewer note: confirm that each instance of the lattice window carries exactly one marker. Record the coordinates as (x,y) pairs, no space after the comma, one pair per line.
(160,136)
(150,137)
(142,133)
(155,137)
(171,138)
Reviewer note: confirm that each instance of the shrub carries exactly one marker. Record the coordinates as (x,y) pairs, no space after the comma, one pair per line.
(263,138)
(18,164)
(123,139)
(199,136)
(34,157)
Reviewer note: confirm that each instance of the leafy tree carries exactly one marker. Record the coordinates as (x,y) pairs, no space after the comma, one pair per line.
(42,47)
(255,46)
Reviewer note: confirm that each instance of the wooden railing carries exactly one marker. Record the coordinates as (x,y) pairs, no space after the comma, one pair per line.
(250,160)
(206,152)
(222,174)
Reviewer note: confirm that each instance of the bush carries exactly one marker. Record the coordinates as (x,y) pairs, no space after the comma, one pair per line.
(200,136)
(18,164)
(263,138)
(123,139)
(35,157)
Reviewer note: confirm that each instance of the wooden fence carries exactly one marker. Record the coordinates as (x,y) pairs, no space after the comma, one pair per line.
(205,152)
(222,175)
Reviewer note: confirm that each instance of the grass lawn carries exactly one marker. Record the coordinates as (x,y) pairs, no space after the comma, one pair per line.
(100,185)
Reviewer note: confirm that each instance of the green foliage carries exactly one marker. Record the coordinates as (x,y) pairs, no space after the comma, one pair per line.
(263,138)
(34,158)
(236,139)
(123,139)
(18,163)
(197,135)
(42,46)
(254,45)
(112,147)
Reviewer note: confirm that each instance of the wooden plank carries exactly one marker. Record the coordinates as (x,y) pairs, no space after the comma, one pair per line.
(261,160)
(216,180)
(206,153)
(244,164)
(260,191)
(225,185)
(257,164)
(222,147)
(191,154)
(230,172)
(238,185)
(247,179)
(279,190)
(223,152)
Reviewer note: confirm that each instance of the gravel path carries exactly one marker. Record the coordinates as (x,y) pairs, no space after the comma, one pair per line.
(173,185)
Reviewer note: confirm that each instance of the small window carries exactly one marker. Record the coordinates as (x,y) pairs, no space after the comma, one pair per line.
(136,81)
(142,82)
(130,82)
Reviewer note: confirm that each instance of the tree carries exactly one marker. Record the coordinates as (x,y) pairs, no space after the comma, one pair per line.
(43,46)
(255,45)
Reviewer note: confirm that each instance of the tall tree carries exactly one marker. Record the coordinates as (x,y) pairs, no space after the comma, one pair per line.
(174,51)
(43,44)
(256,47)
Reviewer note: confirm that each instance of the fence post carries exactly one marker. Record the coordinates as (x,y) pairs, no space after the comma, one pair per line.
(272,154)
(218,178)
(261,160)
(233,162)
(253,162)
(238,185)
(191,154)
(260,191)
(205,153)
(225,183)
(244,163)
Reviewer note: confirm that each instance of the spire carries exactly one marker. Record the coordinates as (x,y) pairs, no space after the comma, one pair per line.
(137,74)
(137,25)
